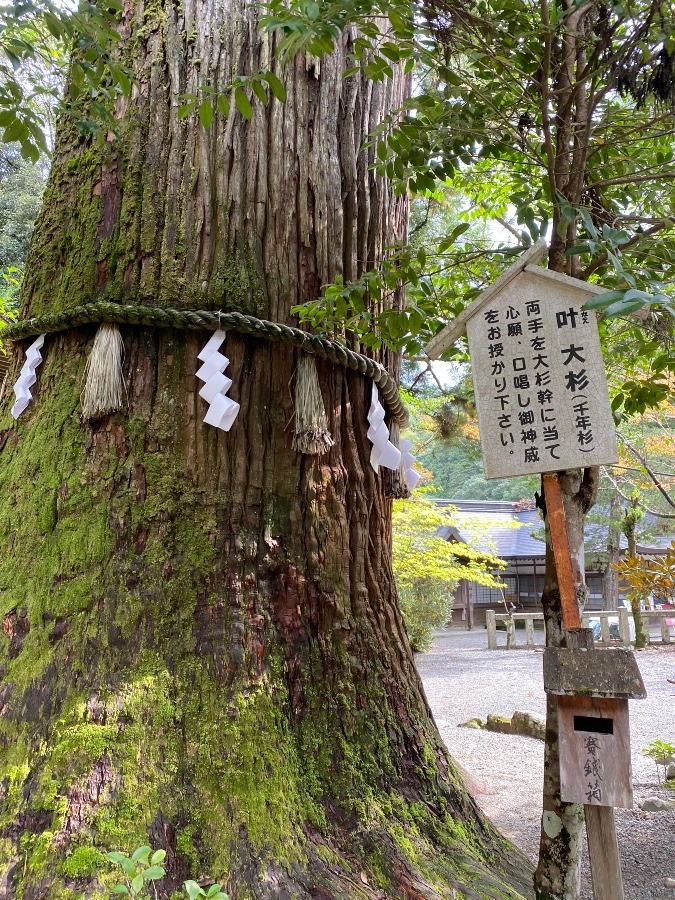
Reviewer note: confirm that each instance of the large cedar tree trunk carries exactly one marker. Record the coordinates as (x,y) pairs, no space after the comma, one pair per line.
(202,647)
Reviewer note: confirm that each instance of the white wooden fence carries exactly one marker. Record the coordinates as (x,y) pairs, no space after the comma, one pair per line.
(623,615)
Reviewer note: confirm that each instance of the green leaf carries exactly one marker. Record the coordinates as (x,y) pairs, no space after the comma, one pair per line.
(577,250)
(223,105)
(120,889)
(14,132)
(141,854)
(193,890)
(128,867)
(137,884)
(259,91)
(243,104)
(276,86)
(312,10)
(157,857)
(115,856)
(603,300)
(621,308)
(152,873)
(185,110)
(456,232)
(206,113)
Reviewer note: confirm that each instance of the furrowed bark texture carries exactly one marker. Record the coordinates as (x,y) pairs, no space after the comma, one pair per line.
(202,647)
(562,828)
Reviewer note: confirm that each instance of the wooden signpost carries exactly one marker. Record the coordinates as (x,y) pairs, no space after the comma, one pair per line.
(542,403)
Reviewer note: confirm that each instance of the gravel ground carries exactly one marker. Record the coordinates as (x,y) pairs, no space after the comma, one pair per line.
(463,680)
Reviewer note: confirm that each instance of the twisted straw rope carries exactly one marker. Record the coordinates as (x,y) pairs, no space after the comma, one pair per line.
(199,319)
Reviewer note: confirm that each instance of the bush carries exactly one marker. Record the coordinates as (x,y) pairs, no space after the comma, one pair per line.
(426,605)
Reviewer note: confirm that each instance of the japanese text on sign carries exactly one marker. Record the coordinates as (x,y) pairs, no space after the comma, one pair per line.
(540,384)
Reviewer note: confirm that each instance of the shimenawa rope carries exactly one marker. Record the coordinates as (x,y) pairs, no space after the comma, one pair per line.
(197,320)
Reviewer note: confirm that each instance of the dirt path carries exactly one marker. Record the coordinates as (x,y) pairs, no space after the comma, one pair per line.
(463,680)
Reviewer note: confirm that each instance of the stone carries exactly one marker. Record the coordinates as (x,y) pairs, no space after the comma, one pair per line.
(670,772)
(529,724)
(471,723)
(501,724)
(656,804)
(669,882)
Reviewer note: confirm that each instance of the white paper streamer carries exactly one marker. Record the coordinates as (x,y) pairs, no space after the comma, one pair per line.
(408,461)
(27,378)
(222,409)
(384,453)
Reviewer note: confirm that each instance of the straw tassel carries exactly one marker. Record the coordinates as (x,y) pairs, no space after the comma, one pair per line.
(397,482)
(104,385)
(311,425)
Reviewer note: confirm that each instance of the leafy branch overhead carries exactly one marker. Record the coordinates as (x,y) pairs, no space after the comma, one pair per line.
(553,119)
(39,40)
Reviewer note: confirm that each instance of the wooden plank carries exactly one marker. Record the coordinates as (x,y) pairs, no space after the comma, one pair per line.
(561,551)
(595,761)
(447,337)
(603,852)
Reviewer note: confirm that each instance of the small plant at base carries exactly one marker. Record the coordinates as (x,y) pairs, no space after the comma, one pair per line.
(213,892)
(140,870)
(663,754)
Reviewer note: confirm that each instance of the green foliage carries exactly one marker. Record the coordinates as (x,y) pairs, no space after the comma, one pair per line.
(38,38)
(193,890)
(428,568)
(649,576)
(426,606)
(550,120)
(21,188)
(144,867)
(263,85)
(663,754)
(139,871)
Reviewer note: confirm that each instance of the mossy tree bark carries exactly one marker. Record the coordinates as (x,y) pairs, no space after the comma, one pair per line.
(202,646)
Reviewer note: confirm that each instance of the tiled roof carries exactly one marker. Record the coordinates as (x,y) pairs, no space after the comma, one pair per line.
(508,526)
(498,517)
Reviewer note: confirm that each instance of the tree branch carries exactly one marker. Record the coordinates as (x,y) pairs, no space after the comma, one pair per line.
(650,472)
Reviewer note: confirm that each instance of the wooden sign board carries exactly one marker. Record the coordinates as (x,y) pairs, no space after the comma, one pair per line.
(595,764)
(539,378)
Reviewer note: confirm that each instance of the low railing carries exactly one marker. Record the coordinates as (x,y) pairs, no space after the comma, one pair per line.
(604,615)
(624,616)
(510,619)
(662,615)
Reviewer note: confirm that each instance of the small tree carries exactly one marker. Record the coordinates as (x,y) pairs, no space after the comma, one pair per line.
(428,568)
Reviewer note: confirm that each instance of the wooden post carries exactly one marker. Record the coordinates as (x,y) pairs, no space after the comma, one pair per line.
(603,847)
(491,625)
(561,551)
(603,850)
